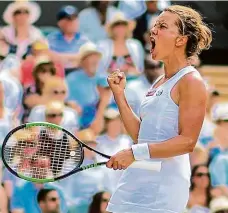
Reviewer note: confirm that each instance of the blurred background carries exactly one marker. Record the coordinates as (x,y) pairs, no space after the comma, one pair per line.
(54,61)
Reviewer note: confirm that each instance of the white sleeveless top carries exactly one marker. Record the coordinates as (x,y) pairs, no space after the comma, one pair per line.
(147,191)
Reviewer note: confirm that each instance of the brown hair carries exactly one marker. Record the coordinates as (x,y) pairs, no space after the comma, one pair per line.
(191,24)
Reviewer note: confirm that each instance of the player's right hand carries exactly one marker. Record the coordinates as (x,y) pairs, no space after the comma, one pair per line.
(117,82)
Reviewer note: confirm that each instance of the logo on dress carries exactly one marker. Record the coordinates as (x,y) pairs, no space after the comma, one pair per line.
(151,92)
(159,92)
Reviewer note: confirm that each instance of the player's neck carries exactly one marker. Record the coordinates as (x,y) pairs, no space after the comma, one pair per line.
(174,64)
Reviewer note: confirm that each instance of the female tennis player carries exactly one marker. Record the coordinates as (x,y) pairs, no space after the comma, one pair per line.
(171,118)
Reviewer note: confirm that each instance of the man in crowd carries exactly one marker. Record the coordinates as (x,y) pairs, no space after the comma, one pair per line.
(67,40)
(49,201)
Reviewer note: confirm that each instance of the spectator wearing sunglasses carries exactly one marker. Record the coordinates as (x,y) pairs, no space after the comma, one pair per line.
(99,202)
(56,112)
(49,201)
(200,190)
(89,88)
(20,32)
(219,164)
(43,69)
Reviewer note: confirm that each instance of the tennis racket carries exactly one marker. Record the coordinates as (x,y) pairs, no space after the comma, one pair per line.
(42,152)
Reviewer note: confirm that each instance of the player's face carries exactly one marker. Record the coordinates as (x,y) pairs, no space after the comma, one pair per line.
(164,35)
(104,202)
(201,177)
(21,16)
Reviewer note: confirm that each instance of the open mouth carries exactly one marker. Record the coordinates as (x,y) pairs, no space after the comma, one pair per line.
(153,44)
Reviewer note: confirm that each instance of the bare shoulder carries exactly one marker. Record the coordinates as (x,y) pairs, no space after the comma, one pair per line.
(192,83)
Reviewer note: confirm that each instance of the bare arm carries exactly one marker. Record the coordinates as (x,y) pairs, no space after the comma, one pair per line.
(192,107)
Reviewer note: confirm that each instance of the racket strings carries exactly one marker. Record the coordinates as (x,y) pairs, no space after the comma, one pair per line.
(43,152)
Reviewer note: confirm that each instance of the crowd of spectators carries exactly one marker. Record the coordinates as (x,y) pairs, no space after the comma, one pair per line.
(61,78)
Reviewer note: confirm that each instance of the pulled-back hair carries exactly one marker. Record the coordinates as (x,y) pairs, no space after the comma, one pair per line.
(190,24)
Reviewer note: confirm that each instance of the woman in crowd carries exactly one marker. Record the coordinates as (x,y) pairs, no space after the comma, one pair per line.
(200,191)
(121,51)
(20,32)
(44,68)
(99,202)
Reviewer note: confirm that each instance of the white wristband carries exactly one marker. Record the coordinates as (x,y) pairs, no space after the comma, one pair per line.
(141,151)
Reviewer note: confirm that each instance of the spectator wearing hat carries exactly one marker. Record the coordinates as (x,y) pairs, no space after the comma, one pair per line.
(89,88)
(219,205)
(120,51)
(20,32)
(68,39)
(39,48)
(87,183)
(55,107)
(43,69)
(110,142)
(93,19)
(136,89)
(219,164)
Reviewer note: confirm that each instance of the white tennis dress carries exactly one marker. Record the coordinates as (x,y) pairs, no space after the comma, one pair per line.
(156,191)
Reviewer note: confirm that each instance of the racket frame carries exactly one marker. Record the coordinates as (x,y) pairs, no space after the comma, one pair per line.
(78,168)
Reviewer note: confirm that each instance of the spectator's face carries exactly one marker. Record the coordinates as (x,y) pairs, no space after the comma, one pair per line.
(59,93)
(201,177)
(52,202)
(104,202)
(45,71)
(21,16)
(69,25)
(114,126)
(54,116)
(152,6)
(120,30)
(90,64)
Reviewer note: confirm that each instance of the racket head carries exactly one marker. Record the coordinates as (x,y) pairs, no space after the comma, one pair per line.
(41,152)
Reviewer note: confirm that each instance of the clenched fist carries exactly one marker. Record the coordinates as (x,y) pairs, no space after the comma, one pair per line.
(117,81)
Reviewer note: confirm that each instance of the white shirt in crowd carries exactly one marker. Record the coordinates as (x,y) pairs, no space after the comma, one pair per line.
(69,122)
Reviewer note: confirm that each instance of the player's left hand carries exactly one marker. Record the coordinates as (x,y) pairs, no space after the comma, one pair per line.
(121,160)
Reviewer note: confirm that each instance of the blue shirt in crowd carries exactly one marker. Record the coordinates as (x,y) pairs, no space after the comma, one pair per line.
(58,43)
(25,197)
(83,90)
